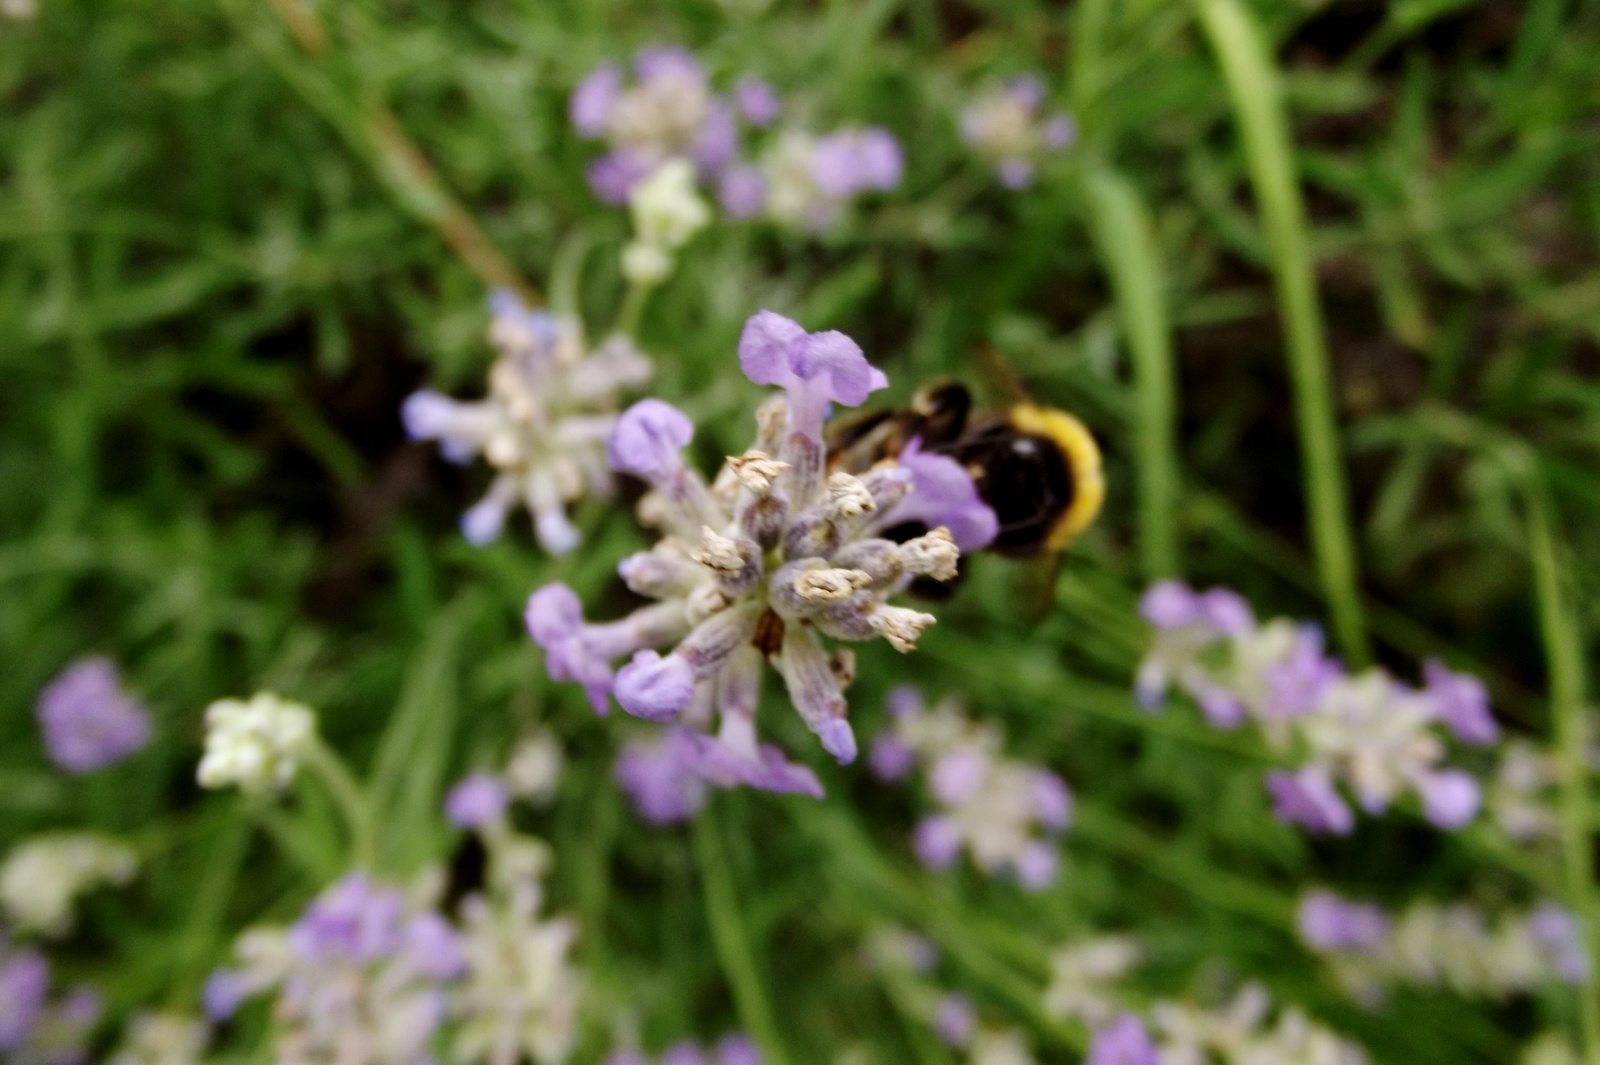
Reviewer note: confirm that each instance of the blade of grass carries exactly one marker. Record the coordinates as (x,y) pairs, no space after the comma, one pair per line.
(1258,105)
(1125,239)
(728,937)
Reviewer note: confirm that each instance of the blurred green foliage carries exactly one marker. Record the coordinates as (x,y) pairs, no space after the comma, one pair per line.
(222,272)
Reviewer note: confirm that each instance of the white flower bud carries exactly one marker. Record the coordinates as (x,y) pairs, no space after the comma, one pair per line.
(255,745)
(846,498)
(646,264)
(934,554)
(667,212)
(901,625)
(826,585)
(44,874)
(756,470)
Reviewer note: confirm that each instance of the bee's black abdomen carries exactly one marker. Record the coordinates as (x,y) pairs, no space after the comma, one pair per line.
(1025,479)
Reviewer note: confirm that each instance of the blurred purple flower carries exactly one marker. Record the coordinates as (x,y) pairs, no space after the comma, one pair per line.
(477,801)
(87,721)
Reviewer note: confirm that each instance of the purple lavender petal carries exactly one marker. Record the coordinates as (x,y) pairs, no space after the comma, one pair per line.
(482,523)
(1169,605)
(655,688)
(433,948)
(882,162)
(477,801)
(1462,702)
(553,614)
(613,175)
(1036,866)
(769,770)
(717,139)
(354,920)
(905,702)
(957,775)
(1450,799)
(1308,798)
(224,992)
(1559,932)
(24,981)
(647,440)
(663,788)
(758,101)
(1227,611)
(1328,923)
(591,103)
(88,723)
(686,1052)
(1060,132)
(937,841)
(943,494)
(738,1049)
(1052,801)
(1015,173)
(764,347)
(956,1021)
(838,739)
(836,362)
(1297,684)
(1028,90)
(890,758)
(1123,1042)
(1222,708)
(667,61)
(626,1057)
(742,192)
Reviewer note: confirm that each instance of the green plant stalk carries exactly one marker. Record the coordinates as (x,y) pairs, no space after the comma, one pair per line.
(731,943)
(1564,656)
(1258,106)
(351,801)
(1126,242)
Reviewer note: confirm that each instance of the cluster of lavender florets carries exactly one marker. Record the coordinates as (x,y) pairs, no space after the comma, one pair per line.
(762,564)
(1002,811)
(1377,736)
(1009,127)
(734,1049)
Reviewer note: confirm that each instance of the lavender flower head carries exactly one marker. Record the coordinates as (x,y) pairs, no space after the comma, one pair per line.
(1008,127)
(1368,732)
(810,181)
(1004,812)
(667,111)
(43,876)
(36,1029)
(660,777)
(477,801)
(543,425)
(362,966)
(87,720)
(734,1049)
(1123,1042)
(762,564)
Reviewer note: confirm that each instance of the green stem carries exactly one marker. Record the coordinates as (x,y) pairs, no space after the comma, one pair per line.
(633,304)
(1564,658)
(732,945)
(351,800)
(1258,106)
(1126,242)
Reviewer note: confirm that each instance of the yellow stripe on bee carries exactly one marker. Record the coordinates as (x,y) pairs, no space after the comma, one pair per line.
(1083,457)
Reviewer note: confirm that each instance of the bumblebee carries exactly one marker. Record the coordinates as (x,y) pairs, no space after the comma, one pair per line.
(1038,468)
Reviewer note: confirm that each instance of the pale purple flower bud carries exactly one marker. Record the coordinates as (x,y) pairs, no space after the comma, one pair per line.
(1308,798)
(737,1049)
(683,1053)
(477,801)
(1227,611)
(1169,605)
(891,758)
(591,103)
(1221,707)
(905,702)
(742,191)
(1295,685)
(1060,132)
(764,347)
(24,981)
(87,721)
(882,162)
(1556,929)
(663,787)
(433,948)
(1052,802)
(655,688)
(838,739)
(957,775)
(956,1021)
(1036,866)
(1462,702)
(1123,1042)
(224,992)
(943,493)
(482,523)
(937,841)
(1016,173)
(647,440)
(846,163)
(613,175)
(354,920)
(1328,923)
(758,101)
(667,61)
(553,614)
(717,139)
(1027,89)
(765,770)
(1450,799)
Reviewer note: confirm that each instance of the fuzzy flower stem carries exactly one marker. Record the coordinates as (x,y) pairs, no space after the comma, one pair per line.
(348,795)
(1564,656)
(732,945)
(634,301)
